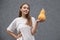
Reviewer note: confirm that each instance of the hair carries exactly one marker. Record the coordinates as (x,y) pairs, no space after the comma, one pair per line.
(29,21)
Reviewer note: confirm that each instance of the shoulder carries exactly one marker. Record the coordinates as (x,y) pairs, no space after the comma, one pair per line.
(17,18)
(33,18)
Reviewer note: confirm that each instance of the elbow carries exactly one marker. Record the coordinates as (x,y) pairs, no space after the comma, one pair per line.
(7,31)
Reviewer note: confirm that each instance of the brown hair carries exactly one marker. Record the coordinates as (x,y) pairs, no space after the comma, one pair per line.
(29,22)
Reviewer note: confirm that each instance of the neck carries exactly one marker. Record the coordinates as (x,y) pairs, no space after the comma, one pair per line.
(24,16)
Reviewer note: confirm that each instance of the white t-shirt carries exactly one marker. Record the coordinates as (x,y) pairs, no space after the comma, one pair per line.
(19,24)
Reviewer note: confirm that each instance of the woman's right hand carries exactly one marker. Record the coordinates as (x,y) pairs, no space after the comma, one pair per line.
(19,35)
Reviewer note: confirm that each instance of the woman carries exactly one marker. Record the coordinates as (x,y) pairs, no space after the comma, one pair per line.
(25,24)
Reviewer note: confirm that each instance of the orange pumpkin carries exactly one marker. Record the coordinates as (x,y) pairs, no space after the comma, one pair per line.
(42,16)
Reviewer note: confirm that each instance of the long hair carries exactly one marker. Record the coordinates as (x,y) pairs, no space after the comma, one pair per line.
(29,21)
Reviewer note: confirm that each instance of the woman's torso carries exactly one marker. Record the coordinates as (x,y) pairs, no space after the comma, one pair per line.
(24,29)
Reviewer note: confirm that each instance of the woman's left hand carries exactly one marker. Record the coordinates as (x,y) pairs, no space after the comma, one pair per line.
(37,20)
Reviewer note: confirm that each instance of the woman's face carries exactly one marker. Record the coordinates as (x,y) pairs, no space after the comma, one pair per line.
(25,9)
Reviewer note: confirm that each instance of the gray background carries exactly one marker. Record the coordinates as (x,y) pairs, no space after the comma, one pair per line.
(48,30)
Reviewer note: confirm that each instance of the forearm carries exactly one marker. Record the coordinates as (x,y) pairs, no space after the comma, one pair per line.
(12,34)
(34,29)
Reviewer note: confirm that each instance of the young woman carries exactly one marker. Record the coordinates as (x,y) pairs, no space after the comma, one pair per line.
(25,24)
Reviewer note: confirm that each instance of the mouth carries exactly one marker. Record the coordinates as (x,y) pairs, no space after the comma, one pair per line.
(26,12)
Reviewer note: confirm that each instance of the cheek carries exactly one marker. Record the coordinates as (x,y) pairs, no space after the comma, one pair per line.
(22,10)
(28,10)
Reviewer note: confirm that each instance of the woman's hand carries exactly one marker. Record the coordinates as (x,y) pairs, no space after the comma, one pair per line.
(19,35)
(38,20)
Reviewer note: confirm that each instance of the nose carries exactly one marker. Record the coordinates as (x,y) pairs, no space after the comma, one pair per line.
(26,9)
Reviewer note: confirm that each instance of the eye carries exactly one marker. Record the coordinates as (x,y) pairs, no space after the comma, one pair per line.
(24,7)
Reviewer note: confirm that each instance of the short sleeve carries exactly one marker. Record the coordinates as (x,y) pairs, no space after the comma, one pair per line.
(33,21)
(12,26)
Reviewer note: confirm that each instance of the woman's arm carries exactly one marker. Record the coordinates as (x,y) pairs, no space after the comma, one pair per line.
(35,27)
(14,35)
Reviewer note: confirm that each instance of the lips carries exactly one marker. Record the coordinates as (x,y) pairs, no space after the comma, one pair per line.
(25,11)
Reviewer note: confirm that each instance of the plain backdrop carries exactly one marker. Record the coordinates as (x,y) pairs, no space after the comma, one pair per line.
(48,30)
